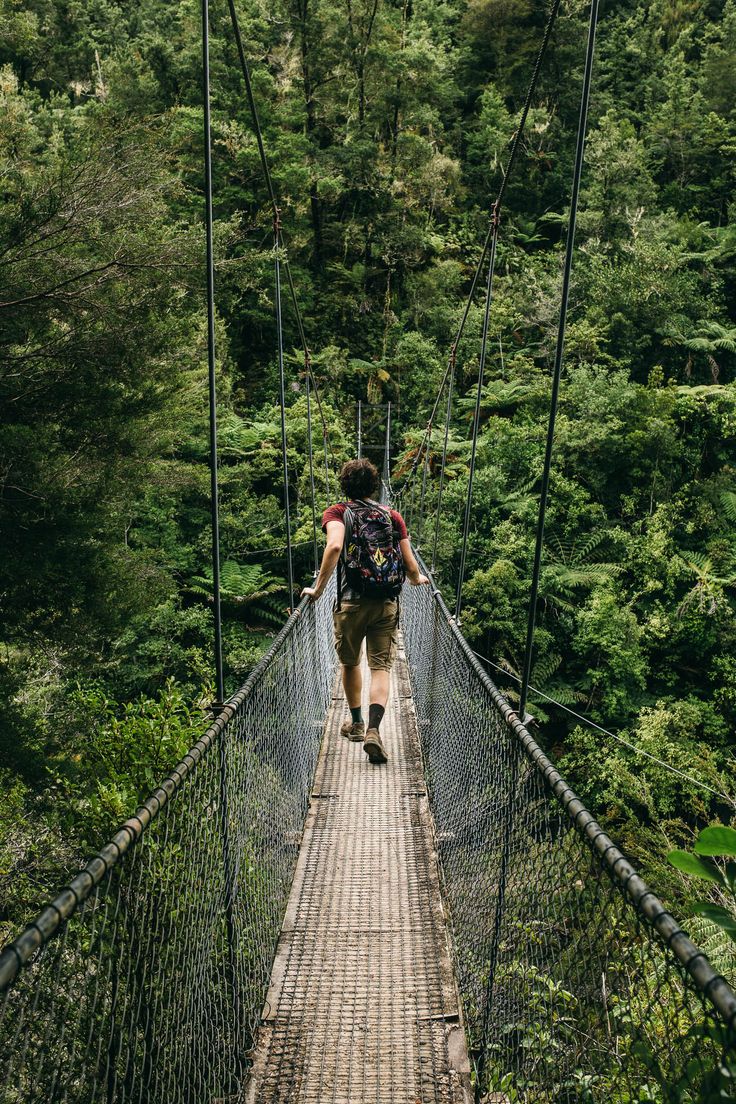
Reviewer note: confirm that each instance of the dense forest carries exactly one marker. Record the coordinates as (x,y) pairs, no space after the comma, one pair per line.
(387,123)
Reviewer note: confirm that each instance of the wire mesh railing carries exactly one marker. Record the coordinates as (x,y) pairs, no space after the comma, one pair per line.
(145,980)
(577,985)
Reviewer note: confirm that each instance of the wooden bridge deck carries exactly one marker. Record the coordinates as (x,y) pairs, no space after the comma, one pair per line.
(362,1006)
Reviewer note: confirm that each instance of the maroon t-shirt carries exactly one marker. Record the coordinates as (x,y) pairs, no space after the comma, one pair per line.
(337,513)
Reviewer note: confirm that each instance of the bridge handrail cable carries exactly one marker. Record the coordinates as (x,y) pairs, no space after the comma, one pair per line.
(631,885)
(18,954)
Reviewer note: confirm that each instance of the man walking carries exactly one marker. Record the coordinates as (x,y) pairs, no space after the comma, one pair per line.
(369,545)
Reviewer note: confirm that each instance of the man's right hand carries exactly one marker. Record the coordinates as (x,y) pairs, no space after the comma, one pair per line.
(421,580)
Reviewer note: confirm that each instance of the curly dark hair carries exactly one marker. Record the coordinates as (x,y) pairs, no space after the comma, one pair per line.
(359,479)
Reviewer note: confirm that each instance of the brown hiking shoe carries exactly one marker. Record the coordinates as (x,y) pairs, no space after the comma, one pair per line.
(353,730)
(373,747)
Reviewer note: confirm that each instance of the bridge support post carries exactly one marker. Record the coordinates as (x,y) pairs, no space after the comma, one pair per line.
(559,354)
(498,915)
(210,265)
(228,885)
(230,926)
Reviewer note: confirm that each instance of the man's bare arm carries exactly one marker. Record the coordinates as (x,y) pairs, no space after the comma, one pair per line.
(330,556)
(413,573)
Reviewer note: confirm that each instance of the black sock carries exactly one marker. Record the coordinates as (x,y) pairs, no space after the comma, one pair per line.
(375,715)
(356,714)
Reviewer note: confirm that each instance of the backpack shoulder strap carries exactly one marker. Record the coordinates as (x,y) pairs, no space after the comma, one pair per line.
(348,519)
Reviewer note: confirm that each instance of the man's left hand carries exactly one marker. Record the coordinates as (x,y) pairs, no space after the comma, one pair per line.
(310,592)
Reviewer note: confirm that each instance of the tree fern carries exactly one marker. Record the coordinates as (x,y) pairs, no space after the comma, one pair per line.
(577,549)
(239,438)
(728,504)
(547,686)
(705,339)
(569,568)
(501,396)
(717,945)
(245,586)
(520,497)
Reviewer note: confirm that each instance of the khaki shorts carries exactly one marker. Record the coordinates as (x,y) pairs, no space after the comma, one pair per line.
(374,620)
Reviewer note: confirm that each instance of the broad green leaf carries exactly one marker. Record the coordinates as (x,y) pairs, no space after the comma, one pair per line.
(717,840)
(691,864)
(731,874)
(717,915)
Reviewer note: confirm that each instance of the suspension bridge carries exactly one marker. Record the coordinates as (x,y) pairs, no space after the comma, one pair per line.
(280,921)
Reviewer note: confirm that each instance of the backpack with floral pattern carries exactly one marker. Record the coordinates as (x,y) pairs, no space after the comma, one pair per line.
(371,560)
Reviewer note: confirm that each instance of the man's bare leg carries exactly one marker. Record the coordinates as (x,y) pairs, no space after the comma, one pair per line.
(379,687)
(352,681)
(373,747)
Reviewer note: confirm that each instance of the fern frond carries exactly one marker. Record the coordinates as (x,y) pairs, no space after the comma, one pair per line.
(267,614)
(565,694)
(558,551)
(201,586)
(588,545)
(717,945)
(576,550)
(566,578)
(545,668)
(520,495)
(728,503)
(239,438)
(240,583)
(697,563)
(501,394)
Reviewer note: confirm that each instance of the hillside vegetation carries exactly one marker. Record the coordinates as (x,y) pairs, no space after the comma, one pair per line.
(387,124)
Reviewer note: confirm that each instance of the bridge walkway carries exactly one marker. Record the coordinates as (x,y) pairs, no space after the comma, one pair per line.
(362,1006)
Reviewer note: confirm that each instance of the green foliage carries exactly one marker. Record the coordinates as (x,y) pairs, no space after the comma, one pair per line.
(713,860)
(387,139)
(245,585)
(127,751)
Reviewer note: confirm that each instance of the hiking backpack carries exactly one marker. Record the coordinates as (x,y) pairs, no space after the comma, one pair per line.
(371,560)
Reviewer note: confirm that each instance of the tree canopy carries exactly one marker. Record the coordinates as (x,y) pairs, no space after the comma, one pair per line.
(387,125)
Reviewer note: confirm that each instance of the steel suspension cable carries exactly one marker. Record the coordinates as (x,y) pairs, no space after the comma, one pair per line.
(245,68)
(327,470)
(495,222)
(211,354)
(224,811)
(559,352)
(514,796)
(424,486)
(450,367)
(495,215)
(282,398)
(438,505)
(553,12)
(607,732)
(476,416)
(387,494)
(310,451)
